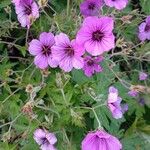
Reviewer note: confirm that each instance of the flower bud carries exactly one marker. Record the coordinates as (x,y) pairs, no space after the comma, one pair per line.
(59,81)
(45,72)
(29,88)
(42,3)
(27,109)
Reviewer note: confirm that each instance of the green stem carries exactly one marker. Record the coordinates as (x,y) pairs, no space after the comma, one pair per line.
(9,43)
(98,121)
(27,35)
(48,109)
(68,7)
(64,97)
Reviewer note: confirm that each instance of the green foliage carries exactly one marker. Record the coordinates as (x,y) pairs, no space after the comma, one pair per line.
(145,6)
(4,3)
(71,104)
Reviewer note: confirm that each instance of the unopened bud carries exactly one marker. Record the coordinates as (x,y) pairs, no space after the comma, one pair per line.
(42,3)
(127,19)
(138,88)
(59,82)
(45,72)
(18,80)
(9,72)
(27,108)
(29,88)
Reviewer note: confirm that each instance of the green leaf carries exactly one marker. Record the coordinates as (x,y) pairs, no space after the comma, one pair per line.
(145,4)
(22,49)
(79,77)
(6,146)
(133,142)
(4,3)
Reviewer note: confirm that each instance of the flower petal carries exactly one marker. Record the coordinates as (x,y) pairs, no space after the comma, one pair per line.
(47,39)
(35,47)
(62,39)
(51,138)
(35,10)
(66,64)
(41,61)
(78,62)
(52,62)
(39,134)
(47,147)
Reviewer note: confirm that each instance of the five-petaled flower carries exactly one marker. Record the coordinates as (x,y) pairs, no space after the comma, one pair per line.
(118,4)
(67,53)
(96,35)
(27,11)
(100,140)
(91,65)
(114,103)
(42,50)
(90,7)
(45,139)
(144,30)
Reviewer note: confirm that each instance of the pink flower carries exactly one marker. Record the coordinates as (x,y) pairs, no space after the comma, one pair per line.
(45,139)
(42,50)
(96,35)
(144,30)
(91,65)
(68,53)
(90,7)
(143,76)
(27,11)
(100,140)
(114,103)
(118,4)
(133,93)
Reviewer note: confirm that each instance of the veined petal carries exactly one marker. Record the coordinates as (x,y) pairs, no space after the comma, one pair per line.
(35,47)
(41,61)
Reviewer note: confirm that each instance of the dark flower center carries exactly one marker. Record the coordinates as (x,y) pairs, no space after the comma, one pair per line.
(44,141)
(90,63)
(91,6)
(28,9)
(46,50)
(69,51)
(147,28)
(97,35)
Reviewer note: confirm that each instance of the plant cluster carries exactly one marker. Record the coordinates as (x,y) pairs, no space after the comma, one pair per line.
(74,74)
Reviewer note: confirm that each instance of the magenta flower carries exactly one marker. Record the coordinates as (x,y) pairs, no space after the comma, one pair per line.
(91,65)
(144,30)
(96,35)
(27,11)
(114,103)
(100,140)
(133,93)
(143,76)
(118,4)
(90,7)
(68,53)
(45,139)
(42,50)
